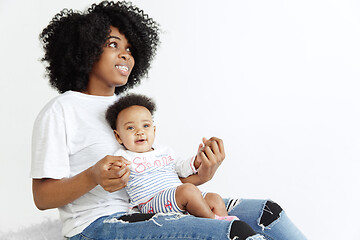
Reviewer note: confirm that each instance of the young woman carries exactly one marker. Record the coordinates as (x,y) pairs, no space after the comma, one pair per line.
(92,57)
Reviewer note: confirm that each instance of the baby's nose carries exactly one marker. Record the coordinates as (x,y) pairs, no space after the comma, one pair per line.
(140,132)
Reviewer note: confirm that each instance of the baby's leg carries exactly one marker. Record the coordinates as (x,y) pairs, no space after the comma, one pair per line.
(216,204)
(189,198)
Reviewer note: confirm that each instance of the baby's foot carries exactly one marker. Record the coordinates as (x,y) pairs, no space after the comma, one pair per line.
(226,218)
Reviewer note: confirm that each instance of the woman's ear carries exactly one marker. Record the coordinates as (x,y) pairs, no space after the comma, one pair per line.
(117,136)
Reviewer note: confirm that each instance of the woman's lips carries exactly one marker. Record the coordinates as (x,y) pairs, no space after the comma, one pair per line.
(123,69)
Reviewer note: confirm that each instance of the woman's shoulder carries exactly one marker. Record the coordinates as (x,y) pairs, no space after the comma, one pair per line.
(57,106)
(58,102)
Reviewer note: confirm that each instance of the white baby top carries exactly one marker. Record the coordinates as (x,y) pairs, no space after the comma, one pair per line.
(154,171)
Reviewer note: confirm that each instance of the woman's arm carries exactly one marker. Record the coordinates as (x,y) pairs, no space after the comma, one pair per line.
(209,157)
(53,193)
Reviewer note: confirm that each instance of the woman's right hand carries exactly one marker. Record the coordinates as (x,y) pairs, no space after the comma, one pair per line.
(111,173)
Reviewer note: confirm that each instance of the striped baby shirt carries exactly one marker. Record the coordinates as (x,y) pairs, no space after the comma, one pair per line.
(154,171)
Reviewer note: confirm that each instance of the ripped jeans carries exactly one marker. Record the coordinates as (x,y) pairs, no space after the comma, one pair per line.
(266,218)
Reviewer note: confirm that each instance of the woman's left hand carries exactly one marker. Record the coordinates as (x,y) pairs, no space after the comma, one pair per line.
(209,157)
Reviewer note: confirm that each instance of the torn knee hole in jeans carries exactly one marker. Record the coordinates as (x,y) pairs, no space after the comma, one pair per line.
(232,203)
(271,212)
(242,231)
(136,217)
(139,217)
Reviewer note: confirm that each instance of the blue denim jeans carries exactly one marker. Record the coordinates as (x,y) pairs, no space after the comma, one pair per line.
(276,227)
(259,214)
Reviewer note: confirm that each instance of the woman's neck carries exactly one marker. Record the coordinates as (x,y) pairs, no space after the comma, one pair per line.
(99,92)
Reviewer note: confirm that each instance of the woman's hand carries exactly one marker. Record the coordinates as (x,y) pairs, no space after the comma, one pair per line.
(210,155)
(112,173)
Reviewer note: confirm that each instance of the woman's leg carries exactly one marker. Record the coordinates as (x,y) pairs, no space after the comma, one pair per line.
(164,226)
(265,217)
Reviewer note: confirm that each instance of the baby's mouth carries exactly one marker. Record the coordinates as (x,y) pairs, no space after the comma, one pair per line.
(140,141)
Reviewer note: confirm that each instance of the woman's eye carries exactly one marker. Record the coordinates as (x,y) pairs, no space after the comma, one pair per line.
(113,45)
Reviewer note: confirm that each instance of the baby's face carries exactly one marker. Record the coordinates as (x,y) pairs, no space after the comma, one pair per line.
(135,129)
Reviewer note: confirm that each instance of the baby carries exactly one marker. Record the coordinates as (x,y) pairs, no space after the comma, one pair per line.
(156,175)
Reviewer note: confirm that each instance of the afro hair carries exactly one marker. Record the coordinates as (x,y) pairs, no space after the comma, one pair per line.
(126,102)
(73,41)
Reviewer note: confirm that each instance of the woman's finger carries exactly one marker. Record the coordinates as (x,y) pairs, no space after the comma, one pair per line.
(116,184)
(218,149)
(117,172)
(210,157)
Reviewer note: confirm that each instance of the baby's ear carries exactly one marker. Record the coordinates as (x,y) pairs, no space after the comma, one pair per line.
(117,136)
(154,129)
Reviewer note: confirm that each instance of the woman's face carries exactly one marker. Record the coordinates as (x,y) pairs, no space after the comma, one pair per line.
(114,66)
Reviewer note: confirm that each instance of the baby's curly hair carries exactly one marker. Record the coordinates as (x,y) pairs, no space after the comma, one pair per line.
(73,41)
(126,102)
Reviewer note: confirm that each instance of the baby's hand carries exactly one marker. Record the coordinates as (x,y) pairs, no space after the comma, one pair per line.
(111,173)
(197,161)
(119,164)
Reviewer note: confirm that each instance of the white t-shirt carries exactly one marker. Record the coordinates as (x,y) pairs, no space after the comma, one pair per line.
(71,134)
(154,171)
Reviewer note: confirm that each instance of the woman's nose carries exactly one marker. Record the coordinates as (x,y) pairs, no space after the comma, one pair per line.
(125,55)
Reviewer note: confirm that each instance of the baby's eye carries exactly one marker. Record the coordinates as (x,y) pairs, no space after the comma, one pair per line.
(113,45)
(146,125)
(130,128)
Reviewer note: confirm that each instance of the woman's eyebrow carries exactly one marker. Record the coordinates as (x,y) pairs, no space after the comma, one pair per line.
(116,37)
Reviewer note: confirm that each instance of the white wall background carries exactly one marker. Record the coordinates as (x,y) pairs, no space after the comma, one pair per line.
(277,80)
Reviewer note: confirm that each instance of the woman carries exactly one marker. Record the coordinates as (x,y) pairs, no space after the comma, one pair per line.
(92,57)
